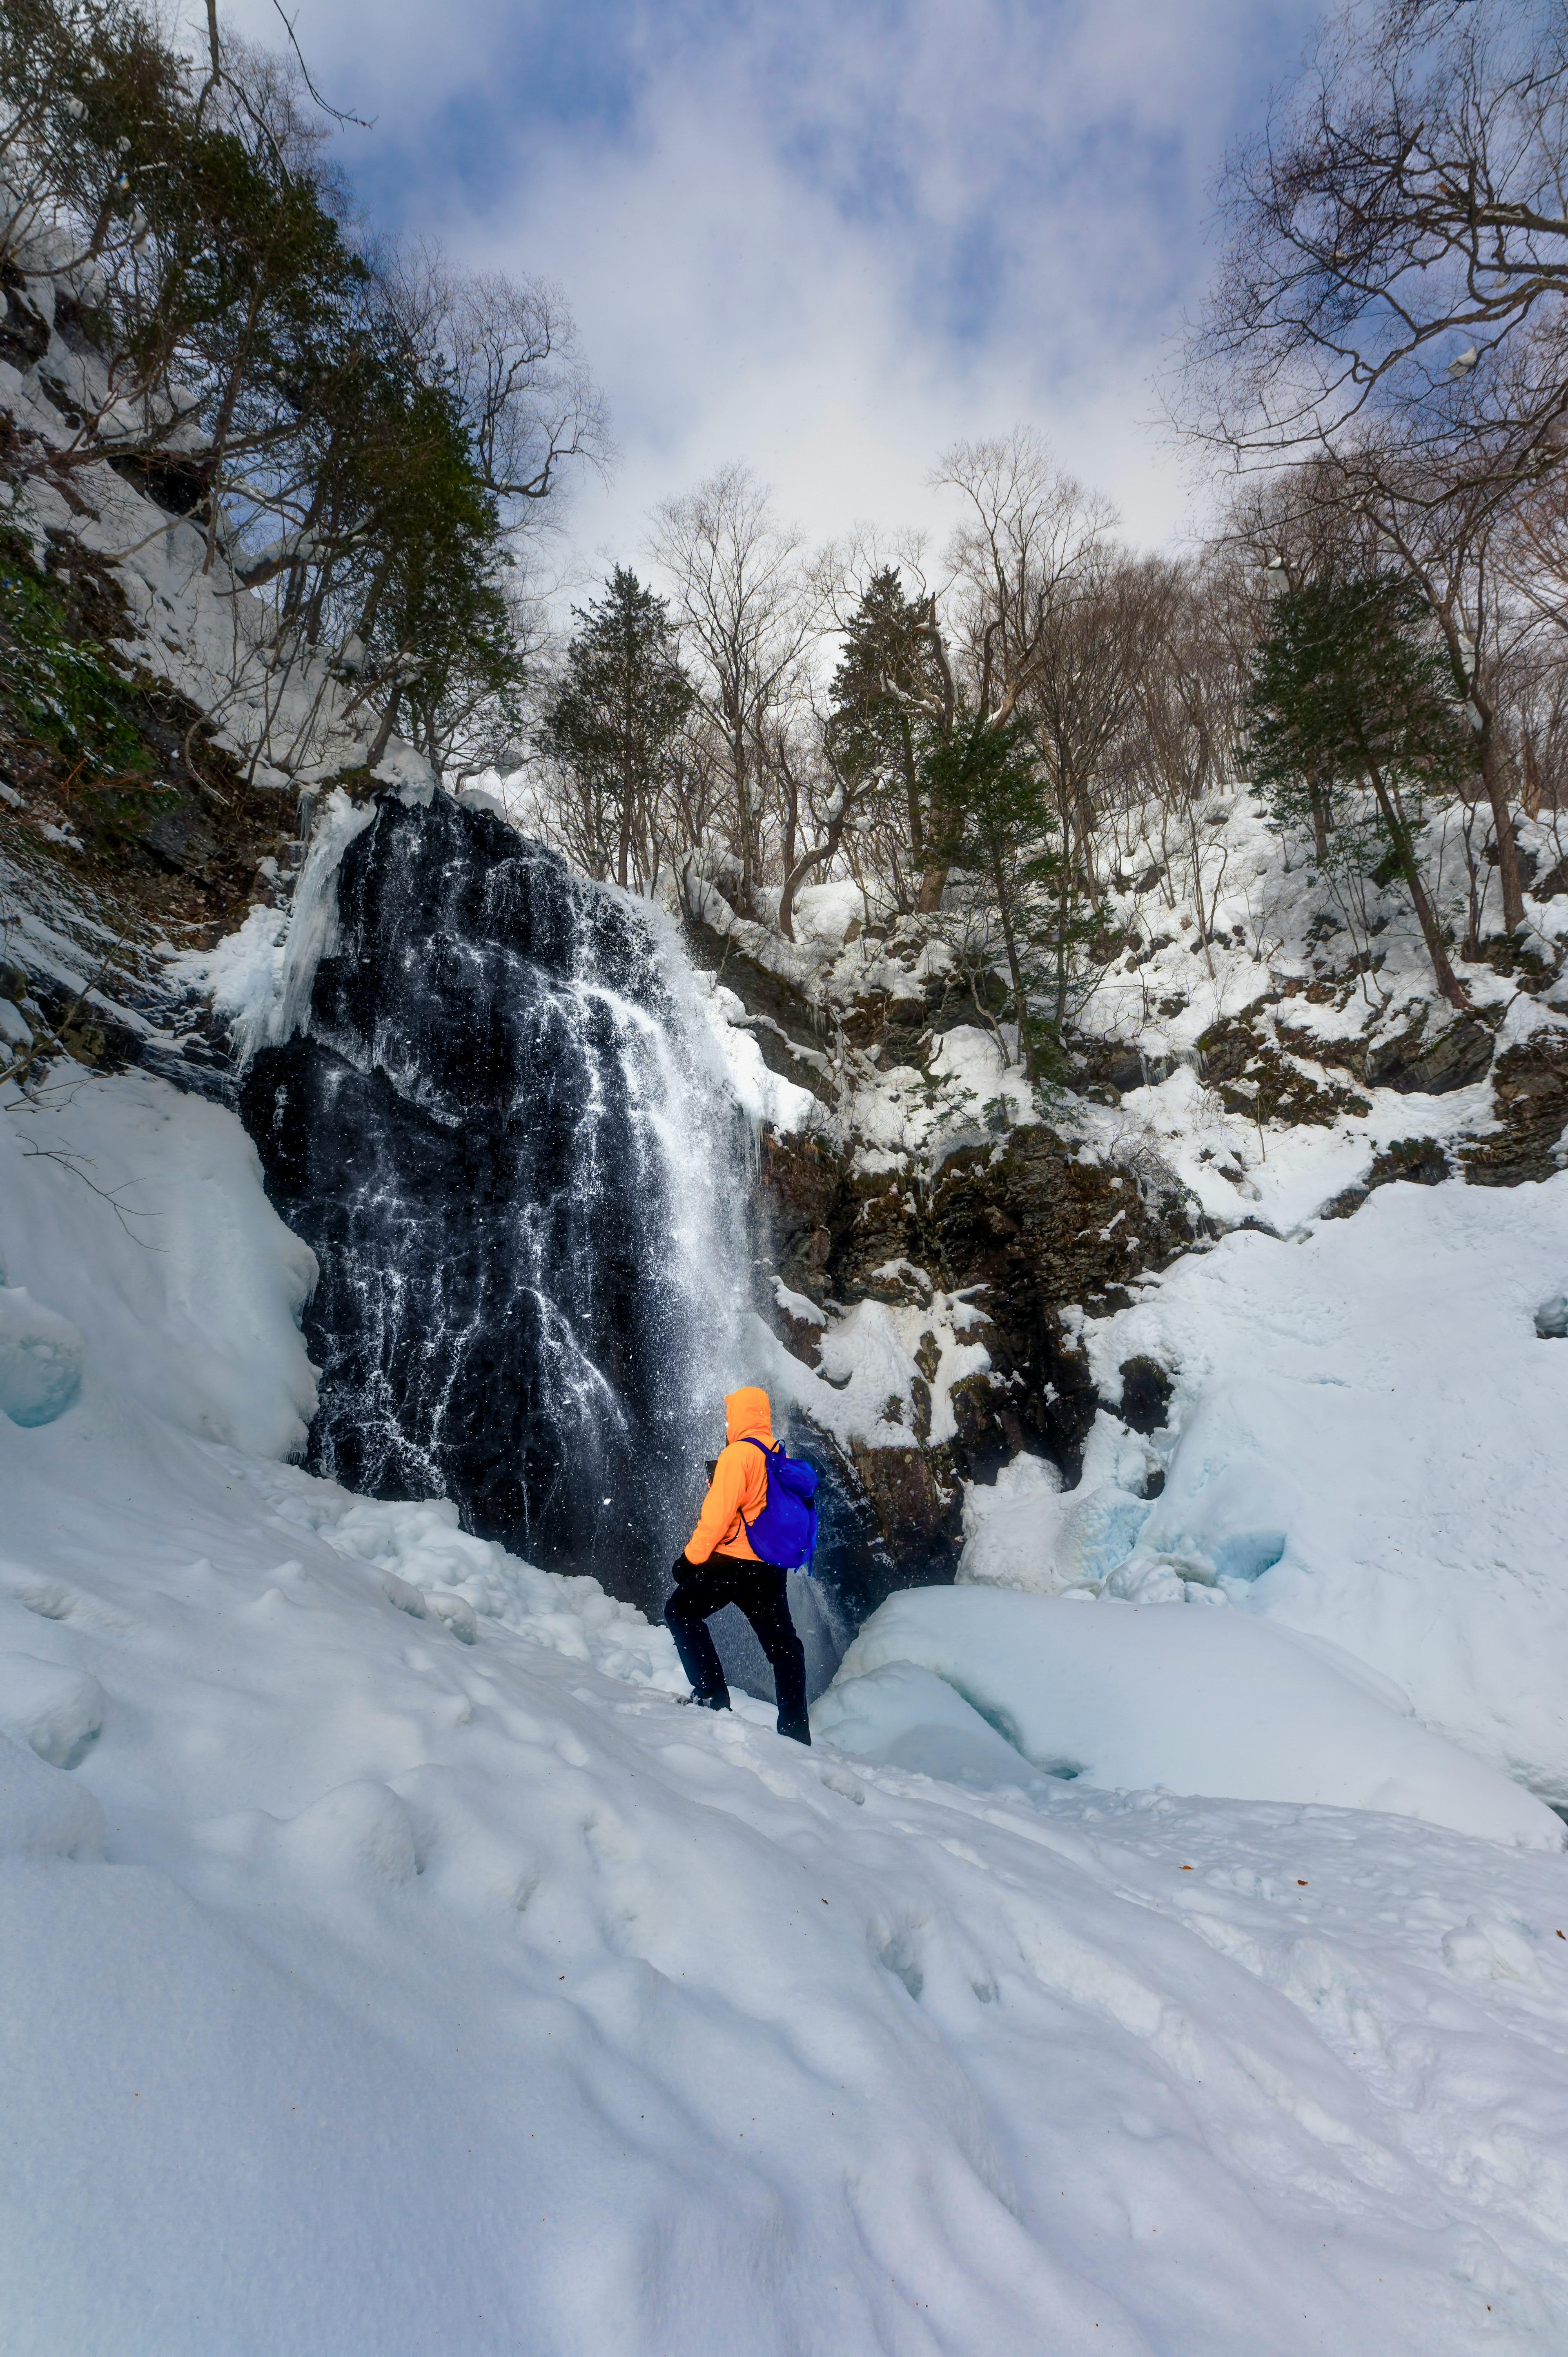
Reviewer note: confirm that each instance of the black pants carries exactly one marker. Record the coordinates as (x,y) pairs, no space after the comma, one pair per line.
(762,1594)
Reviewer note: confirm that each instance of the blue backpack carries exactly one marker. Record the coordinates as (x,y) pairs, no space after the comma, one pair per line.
(785,1531)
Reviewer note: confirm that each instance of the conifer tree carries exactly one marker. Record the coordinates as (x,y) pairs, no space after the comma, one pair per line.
(1351,689)
(889,686)
(615,718)
(994,818)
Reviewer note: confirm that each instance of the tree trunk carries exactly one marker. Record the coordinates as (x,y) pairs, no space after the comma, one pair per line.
(1318,803)
(1448,982)
(1493,775)
(1083,826)
(1020,999)
(912,793)
(933,883)
(796,875)
(743,813)
(383,734)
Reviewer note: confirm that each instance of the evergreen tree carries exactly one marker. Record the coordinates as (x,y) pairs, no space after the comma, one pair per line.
(615,719)
(360,440)
(1351,688)
(888,688)
(993,816)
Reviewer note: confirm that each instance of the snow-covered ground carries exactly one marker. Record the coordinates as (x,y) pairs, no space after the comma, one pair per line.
(391,1966)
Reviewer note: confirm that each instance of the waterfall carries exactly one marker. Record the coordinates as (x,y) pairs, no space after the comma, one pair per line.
(486,1101)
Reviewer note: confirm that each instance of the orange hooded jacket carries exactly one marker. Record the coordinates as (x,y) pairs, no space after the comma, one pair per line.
(739,1487)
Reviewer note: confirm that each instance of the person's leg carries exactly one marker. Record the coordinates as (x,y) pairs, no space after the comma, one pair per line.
(686,1616)
(767,1610)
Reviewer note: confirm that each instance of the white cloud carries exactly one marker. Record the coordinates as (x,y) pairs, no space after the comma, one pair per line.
(827,239)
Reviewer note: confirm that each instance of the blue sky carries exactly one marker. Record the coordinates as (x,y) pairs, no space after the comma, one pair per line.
(826,237)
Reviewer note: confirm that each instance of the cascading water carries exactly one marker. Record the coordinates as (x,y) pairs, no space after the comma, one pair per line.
(482,1098)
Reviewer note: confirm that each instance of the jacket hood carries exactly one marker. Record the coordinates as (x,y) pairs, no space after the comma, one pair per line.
(746,1414)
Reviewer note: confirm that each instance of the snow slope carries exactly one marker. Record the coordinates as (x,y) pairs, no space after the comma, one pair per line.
(1365,1443)
(399,1970)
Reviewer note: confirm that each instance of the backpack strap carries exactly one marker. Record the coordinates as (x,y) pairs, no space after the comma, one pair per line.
(750,1442)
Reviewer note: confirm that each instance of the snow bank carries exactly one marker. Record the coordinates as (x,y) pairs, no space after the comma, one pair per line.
(1155,1697)
(826,912)
(1365,1444)
(432,1565)
(139,1215)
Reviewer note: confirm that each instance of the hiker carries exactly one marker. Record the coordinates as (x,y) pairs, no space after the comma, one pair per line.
(720,1565)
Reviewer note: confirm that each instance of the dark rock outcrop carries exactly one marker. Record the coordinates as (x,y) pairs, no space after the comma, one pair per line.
(1530,1099)
(1145,1395)
(1430,1057)
(1256,1080)
(1023,1230)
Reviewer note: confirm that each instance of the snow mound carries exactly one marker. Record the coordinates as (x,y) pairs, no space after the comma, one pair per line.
(1152,1696)
(58,1711)
(43,1813)
(41,1359)
(429,1566)
(144,1213)
(1027,1531)
(902,1717)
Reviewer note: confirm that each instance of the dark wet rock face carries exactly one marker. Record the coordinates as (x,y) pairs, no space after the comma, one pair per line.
(1430,1057)
(1145,1395)
(1454,1057)
(1022,1230)
(1529,1100)
(486,1135)
(1420,1160)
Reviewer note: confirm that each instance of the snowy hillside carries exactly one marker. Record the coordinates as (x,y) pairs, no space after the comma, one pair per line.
(1084,1028)
(393,1966)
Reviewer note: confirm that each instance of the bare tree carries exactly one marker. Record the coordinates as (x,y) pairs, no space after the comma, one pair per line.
(508,347)
(1188,699)
(1027,533)
(1398,238)
(1100,633)
(750,612)
(1029,536)
(1392,299)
